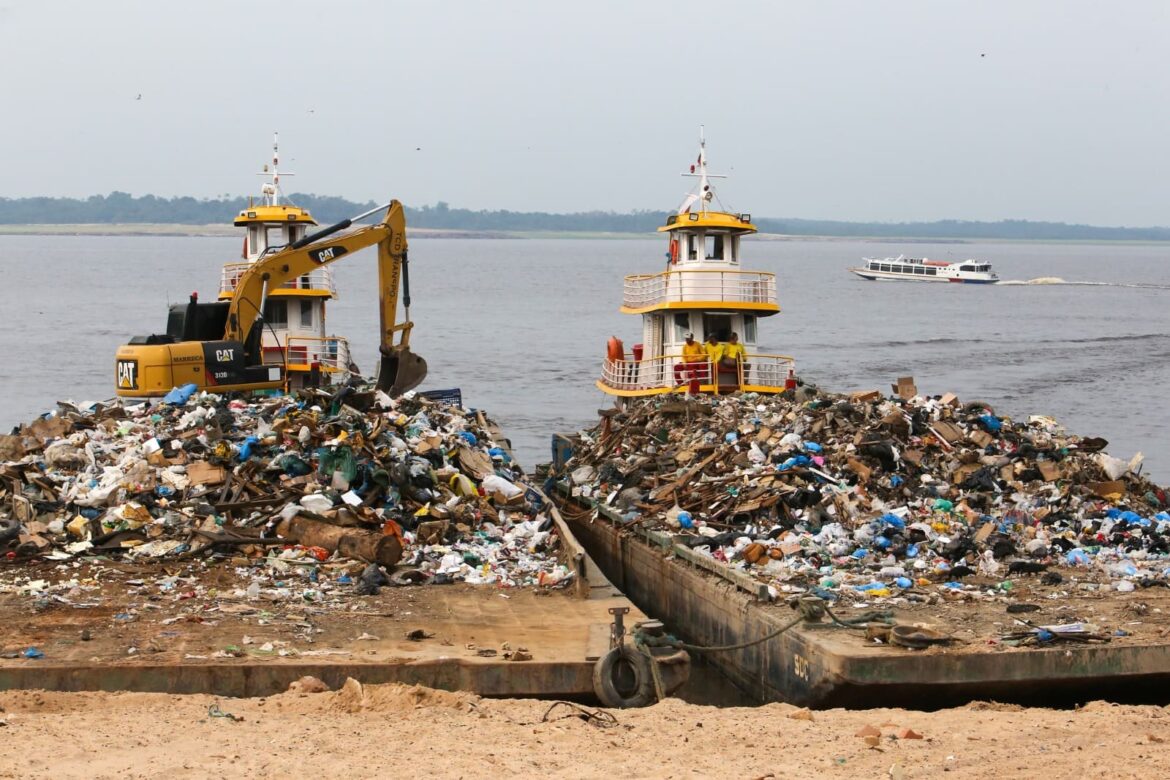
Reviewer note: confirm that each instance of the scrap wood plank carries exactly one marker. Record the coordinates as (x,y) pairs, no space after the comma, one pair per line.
(687,476)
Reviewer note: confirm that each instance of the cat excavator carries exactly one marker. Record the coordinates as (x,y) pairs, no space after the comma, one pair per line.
(217,346)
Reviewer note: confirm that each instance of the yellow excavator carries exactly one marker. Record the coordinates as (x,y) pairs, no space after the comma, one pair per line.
(217,346)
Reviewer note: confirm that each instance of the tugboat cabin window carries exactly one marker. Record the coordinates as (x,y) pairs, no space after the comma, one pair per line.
(682,326)
(713,247)
(306,314)
(718,324)
(749,329)
(691,252)
(276,313)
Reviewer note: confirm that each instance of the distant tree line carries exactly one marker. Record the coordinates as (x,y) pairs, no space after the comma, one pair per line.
(121,207)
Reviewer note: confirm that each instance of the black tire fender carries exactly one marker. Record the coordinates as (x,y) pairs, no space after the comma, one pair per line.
(623,678)
(9,530)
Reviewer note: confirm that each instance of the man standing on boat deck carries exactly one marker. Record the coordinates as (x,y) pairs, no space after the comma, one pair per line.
(693,358)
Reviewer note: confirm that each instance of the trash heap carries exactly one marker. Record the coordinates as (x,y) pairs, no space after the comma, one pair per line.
(865,496)
(375,490)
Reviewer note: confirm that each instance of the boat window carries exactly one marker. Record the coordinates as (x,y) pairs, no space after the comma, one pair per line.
(749,329)
(691,251)
(255,238)
(306,314)
(682,326)
(733,248)
(713,247)
(885,267)
(276,313)
(932,272)
(719,324)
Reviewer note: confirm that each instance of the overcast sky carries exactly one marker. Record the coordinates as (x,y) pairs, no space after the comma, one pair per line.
(890,111)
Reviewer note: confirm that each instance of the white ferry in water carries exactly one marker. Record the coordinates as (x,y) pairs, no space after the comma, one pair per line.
(914,269)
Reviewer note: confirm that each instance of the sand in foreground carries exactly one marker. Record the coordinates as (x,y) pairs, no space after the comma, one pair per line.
(385,730)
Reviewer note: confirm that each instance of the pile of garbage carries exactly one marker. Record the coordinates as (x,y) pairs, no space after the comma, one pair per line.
(866,496)
(413,490)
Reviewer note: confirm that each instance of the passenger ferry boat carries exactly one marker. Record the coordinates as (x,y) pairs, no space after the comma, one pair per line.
(703,291)
(913,269)
(294,331)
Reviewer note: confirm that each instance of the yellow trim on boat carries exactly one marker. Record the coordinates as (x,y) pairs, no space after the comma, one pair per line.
(770,389)
(709,220)
(282,214)
(763,308)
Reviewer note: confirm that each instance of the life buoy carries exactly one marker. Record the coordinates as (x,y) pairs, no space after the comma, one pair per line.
(673,250)
(615,349)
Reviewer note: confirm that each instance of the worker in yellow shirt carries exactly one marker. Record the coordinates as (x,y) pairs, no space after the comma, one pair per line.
(732,351)
(732,357)
(713,349)
(694,360)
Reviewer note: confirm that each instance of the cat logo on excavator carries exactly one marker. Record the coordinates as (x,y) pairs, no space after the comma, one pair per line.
(127,374)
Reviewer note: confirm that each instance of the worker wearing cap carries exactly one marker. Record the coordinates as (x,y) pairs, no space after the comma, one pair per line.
(694,360)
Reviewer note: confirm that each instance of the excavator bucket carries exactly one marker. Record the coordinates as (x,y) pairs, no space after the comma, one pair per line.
(400,370)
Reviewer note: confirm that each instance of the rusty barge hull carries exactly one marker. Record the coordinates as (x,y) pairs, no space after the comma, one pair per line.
(708,604)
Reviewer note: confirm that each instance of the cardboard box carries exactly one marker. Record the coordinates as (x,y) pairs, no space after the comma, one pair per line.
(905,388)
(203,473)
(1049,470)
(980,438)
(1110,490)
(865,396)
(950,432)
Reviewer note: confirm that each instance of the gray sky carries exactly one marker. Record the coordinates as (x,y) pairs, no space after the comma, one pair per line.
(1045,109)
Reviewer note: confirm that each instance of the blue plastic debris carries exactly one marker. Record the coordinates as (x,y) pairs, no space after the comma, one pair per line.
(180,395)
(33,652)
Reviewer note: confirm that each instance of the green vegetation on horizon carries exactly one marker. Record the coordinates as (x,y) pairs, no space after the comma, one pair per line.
(122,208)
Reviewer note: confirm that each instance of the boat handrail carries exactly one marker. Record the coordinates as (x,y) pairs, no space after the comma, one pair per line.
(331,353)
(699,284)
(317,279)
(666,372)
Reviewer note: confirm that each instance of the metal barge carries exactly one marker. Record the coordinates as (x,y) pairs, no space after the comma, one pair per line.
(819,664)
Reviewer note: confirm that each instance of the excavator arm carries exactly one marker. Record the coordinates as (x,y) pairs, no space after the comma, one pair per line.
(400,369)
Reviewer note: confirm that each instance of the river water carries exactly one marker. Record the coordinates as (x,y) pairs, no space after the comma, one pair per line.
(521,325)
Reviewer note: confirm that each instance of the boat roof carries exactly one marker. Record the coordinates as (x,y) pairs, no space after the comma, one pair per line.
(709,220)
(282,212)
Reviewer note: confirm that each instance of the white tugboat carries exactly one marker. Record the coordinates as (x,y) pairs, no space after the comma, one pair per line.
(914,269)
(705,293)
(294,332)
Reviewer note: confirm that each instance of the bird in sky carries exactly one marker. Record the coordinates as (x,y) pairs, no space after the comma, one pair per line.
(139,96)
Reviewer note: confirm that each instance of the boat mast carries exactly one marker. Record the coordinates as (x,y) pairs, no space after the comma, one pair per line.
(704,193)
(271,189)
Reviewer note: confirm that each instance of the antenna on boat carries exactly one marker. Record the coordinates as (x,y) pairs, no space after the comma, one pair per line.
(705,194)
(271,189)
